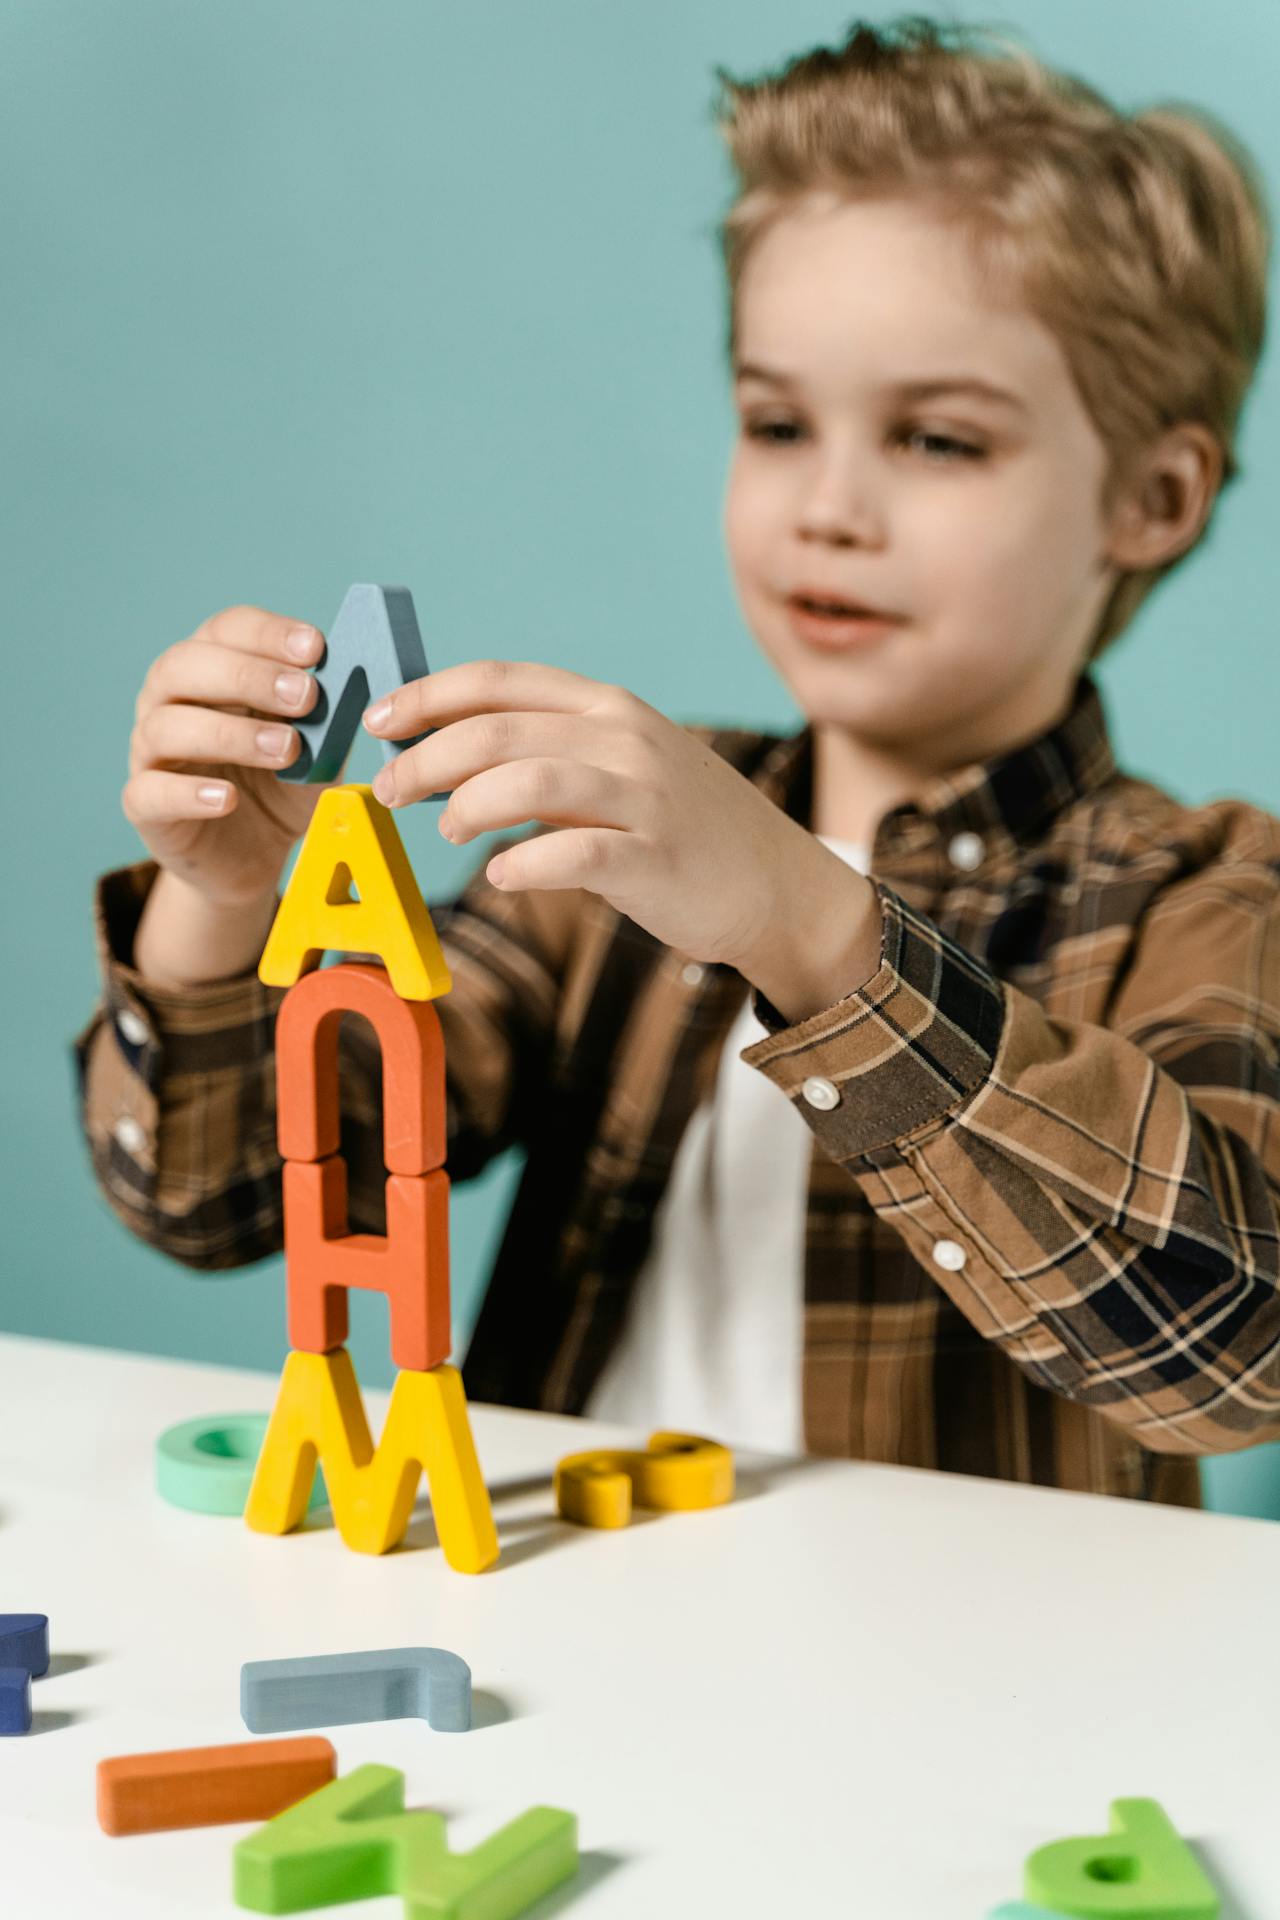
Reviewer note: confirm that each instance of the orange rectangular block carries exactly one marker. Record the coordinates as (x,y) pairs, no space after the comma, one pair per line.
(208,1786)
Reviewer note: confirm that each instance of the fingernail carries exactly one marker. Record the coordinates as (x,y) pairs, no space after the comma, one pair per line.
(290,688)
(446,826)
(384,786)
(211,796)
(379,715)
(302,644)
(274,741)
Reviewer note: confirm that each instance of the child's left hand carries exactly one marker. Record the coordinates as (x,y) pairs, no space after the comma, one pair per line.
(653,820)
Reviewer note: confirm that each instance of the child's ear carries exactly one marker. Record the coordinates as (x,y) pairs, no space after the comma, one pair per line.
(1170,493)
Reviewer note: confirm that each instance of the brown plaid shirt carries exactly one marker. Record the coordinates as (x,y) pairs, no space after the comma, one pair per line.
(1043,1228)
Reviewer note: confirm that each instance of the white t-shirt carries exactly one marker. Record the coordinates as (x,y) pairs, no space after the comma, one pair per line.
(714,1338)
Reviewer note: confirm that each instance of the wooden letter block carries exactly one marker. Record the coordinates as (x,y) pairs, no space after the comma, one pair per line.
(353,1840)
(15,1703)
(679,1472)
(353,844)
(340,1689)
(24,1642)
(206,1464)
(208,1786)
(410,1264)
(371,649)
(1142,1869)
(414,1131)
(319,1416)
(1023,1910)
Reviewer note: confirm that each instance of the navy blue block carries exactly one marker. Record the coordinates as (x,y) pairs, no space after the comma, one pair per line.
(15,1700)
(24,1642)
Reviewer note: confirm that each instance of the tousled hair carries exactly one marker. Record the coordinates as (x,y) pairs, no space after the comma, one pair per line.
(1139,240)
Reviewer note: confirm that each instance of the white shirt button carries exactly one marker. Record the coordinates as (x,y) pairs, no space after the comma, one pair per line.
(131,1026)
(129,1132)
(692,973)
(949,1254)
(821,1093)
(965,850)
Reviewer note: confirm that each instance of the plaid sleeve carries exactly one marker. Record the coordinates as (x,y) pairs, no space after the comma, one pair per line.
(177,1090)
(1101,1201)
(177,1097)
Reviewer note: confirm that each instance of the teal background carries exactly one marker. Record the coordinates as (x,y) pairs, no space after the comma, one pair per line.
(302,293)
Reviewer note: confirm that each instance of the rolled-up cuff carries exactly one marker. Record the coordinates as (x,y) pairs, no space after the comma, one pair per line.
(901,1052)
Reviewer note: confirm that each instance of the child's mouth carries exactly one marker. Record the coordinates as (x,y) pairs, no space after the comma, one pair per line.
(832,626)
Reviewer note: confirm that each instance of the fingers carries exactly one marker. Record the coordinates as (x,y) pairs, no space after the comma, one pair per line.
(170,734)
(568,793)
(485,686)
(251,662)
(203,670)
(454,753)
(152,799)
(592,857)
(273,636)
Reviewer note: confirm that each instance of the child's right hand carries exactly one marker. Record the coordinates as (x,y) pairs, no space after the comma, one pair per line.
(211,730)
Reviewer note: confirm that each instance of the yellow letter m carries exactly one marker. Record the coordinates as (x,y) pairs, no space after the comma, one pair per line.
(319,1415)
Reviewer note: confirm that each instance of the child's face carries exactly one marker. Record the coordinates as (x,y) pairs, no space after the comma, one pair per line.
(996,563)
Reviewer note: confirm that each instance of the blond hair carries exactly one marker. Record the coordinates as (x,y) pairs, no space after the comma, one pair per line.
(1141,241)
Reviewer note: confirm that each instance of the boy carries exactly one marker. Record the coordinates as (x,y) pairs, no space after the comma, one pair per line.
(906,1088)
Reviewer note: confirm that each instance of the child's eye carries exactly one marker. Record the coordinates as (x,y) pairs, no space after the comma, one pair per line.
(784,432)
(766,429)
(958,449)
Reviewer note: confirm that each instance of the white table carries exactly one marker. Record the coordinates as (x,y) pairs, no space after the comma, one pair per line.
(857,1691)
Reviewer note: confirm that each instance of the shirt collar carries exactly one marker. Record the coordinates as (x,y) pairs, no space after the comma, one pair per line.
(1012,798)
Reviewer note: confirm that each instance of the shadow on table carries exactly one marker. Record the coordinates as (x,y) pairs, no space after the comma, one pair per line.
(55,1719)
(50,1720)
(1231,1908)
(60,1663)
(487,1709)
(593,1867)
(547,1530)
(420,1534)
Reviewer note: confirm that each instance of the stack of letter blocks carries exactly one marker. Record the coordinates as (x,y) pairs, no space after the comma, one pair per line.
(352,891)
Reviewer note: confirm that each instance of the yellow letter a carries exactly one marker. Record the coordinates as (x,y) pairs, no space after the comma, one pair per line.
(353,891)
(318,1412)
